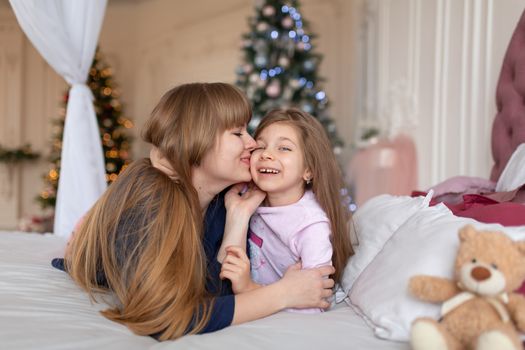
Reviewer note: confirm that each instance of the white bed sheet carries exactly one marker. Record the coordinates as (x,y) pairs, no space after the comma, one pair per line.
(41,308)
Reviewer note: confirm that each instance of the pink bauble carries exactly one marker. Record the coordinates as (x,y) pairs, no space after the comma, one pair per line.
(268,11)
(273,89)
(287,22)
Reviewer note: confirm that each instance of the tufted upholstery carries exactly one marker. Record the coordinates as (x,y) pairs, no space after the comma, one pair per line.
(508,130)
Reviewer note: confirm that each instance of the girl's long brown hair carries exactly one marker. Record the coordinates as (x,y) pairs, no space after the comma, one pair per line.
(145,233)
(327,181)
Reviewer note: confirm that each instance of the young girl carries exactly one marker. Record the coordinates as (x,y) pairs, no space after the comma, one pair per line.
(152,239)
(302,218)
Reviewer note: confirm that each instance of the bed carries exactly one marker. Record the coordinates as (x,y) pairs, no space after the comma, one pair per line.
(41,307)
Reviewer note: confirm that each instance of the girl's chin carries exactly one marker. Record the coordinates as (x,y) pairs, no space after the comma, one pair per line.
(264,187)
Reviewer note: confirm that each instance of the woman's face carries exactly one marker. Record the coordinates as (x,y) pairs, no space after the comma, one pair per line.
(228,162)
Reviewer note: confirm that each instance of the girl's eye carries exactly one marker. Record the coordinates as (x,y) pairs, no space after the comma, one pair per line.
(258,148)
(284,148)
(238,133)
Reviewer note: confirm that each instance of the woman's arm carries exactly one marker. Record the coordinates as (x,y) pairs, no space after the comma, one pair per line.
(297,289)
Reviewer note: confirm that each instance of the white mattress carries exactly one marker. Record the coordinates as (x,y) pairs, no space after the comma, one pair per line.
(41,307)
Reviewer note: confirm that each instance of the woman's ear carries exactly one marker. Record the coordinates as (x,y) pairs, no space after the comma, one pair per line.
(160,162)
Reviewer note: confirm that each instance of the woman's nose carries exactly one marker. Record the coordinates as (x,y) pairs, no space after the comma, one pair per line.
(250,143)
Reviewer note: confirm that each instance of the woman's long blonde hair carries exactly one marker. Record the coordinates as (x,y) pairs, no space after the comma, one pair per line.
(145,233)
(327,181)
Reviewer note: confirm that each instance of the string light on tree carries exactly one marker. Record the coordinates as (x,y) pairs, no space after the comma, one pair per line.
(113,126)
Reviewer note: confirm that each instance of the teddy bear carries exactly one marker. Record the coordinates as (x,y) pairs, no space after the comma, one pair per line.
(479,309)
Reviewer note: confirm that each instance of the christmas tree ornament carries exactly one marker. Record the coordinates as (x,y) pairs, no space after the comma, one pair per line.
(307,107)
(260,61)
(262,27)
(309,65)
(247,68)
(268,11)
(287,22)
(273,89)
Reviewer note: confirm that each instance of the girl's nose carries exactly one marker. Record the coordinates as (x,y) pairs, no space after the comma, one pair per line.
(266,155)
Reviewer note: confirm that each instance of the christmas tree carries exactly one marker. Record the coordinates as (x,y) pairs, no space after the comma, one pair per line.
(280,65)
(113,126)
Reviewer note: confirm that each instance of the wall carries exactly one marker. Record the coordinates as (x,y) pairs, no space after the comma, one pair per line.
(24,76)
(436,63)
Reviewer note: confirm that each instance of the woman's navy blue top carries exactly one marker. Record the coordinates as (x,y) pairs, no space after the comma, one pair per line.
(224,300)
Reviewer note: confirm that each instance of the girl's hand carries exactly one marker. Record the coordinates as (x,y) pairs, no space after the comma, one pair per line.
(308,288)
(239,203)
(236,268)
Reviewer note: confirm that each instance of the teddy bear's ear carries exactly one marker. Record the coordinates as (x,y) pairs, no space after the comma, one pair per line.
(521,246)
(466,232)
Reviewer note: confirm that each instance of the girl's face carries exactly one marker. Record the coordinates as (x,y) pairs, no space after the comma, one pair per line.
(228,162)
(277,164)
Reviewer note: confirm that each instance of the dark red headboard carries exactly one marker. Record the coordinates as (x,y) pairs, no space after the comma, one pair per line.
(508,129)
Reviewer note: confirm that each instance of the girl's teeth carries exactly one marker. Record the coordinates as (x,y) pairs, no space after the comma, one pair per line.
(268,171)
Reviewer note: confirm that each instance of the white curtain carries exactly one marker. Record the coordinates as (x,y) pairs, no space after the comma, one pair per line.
(65,33)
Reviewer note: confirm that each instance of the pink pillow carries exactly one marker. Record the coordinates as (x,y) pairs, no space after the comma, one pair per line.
(464,185)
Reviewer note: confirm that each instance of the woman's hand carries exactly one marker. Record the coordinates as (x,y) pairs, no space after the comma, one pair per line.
(244,203)
(236,268)
(297,289)
(308,288)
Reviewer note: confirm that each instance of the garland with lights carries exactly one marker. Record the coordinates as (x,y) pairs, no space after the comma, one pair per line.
(113,126)
(16,155)
(280,66)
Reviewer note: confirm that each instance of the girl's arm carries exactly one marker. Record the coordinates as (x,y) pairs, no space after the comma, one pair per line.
(298,288)
(235,232)
(236,268)
(239,208)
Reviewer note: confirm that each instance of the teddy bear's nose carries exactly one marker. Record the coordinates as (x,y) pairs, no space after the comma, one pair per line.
(480,273)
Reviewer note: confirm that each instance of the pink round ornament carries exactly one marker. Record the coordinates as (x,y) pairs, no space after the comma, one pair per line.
(268,11)
(287,22)
(273,89)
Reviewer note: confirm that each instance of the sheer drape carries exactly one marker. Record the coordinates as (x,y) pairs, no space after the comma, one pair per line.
(65,33)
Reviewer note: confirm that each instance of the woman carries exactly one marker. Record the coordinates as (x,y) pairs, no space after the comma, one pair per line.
(153,238)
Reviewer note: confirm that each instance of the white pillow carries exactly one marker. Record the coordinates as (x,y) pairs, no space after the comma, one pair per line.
(426,244)
(513,176)
(374,223)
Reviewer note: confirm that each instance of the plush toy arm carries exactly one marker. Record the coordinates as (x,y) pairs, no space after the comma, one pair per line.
(516,307)
(432,289)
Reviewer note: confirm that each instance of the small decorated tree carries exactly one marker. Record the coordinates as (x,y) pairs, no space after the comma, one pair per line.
(280,67)
(113,126)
